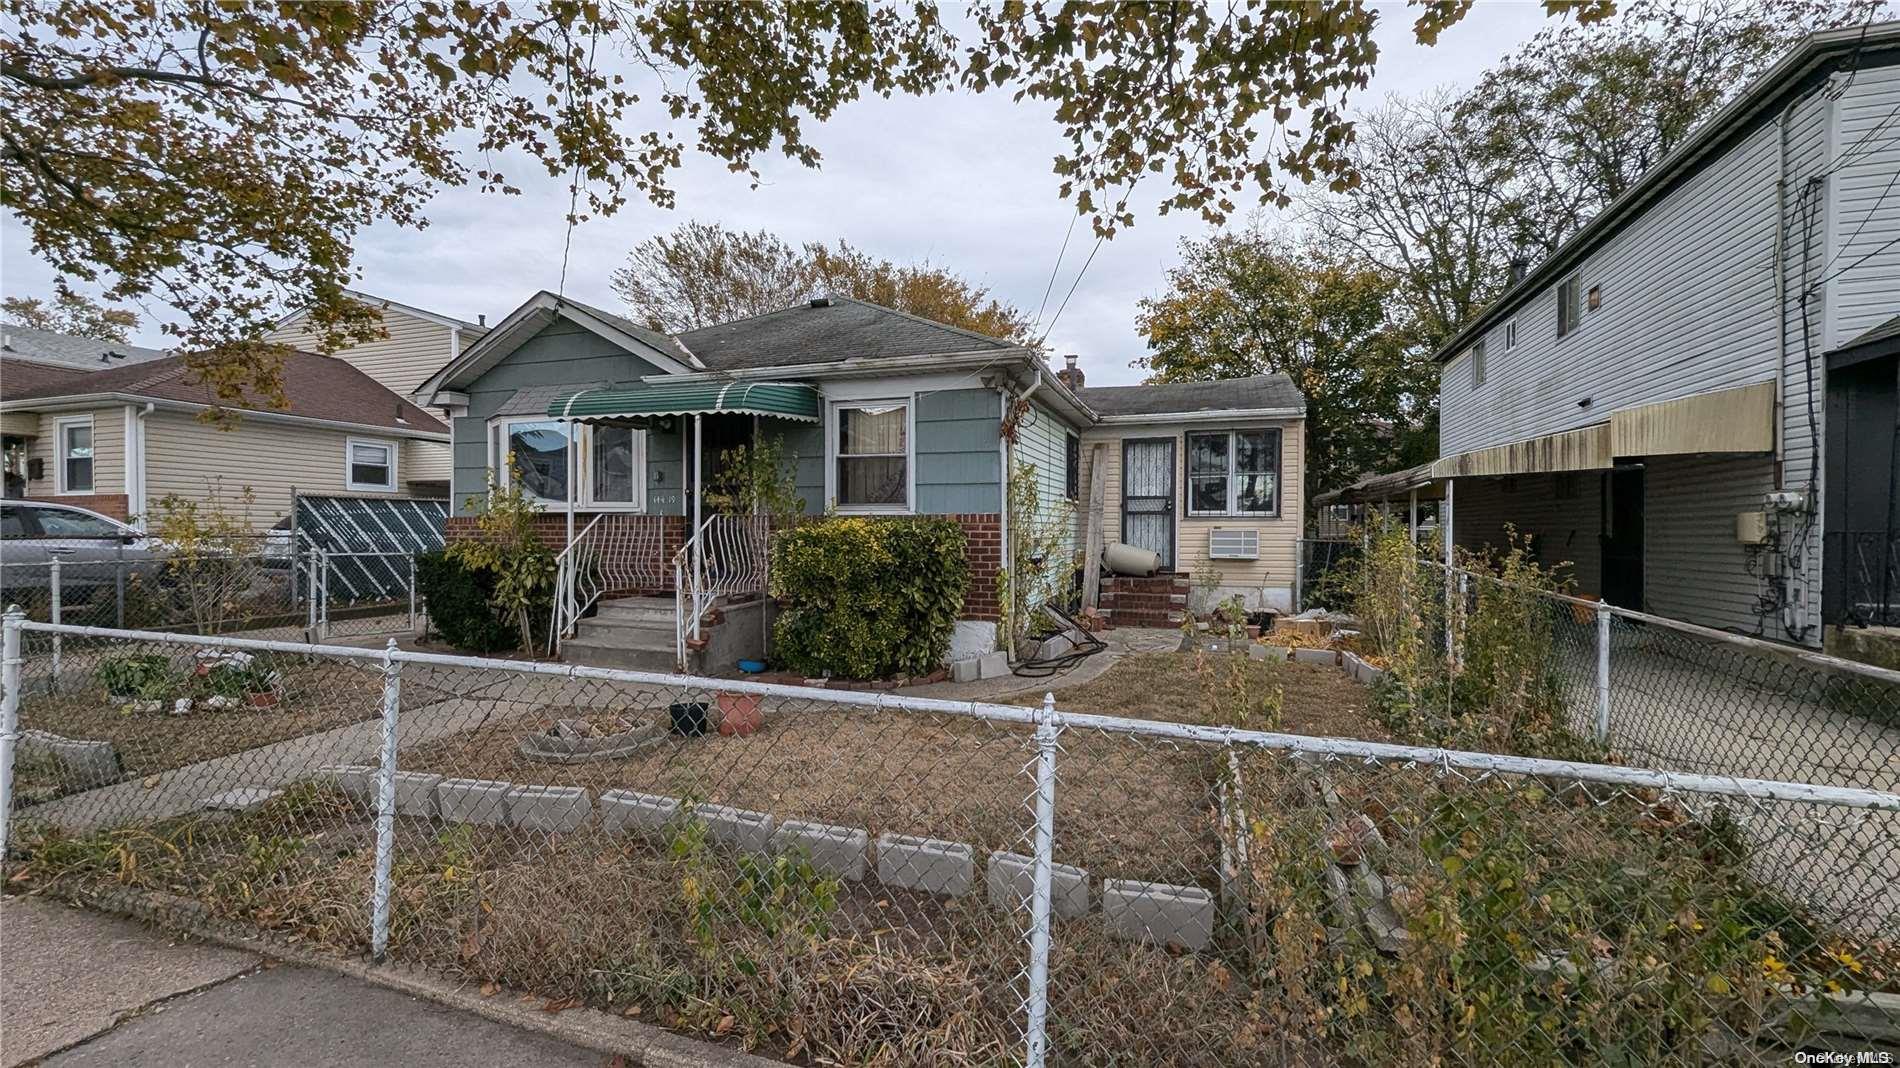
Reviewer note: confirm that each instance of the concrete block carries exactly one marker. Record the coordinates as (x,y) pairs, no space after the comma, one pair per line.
(834,850)
(242,799)
(415,793)
(992,665)
(479,801)
(356,780)
(967,670)
(1276,653)
(1158,912)
(623,811)
(1373,675)
(82,762)
(737,828)
(1011,878)
(549,808)
(1315,656)
(928,864)
(1256,651)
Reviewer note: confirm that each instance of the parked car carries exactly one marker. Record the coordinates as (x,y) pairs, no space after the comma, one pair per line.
(92,549)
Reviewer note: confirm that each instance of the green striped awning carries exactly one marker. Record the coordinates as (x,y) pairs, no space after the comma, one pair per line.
(780,400)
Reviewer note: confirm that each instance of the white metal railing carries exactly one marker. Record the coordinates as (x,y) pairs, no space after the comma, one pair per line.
(613,552)
(727,555)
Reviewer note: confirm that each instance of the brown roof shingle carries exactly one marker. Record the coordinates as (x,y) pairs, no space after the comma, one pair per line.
(317,387)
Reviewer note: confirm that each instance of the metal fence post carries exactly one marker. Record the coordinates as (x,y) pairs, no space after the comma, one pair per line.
(9,714)
(323,595)
(55,612)
(118,588)
(309,589)
(385,805)
(412,595)
(1041,902)
(1603,673)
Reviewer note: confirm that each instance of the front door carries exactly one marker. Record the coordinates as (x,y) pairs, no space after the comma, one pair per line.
(1148,496)
(1622,538)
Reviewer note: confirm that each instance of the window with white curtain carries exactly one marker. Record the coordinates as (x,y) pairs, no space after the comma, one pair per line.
(871,446)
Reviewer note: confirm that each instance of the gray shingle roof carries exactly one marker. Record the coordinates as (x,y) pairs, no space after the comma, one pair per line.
(1170,398)
(845,329)
(534,400)
(85,353)
(647,334)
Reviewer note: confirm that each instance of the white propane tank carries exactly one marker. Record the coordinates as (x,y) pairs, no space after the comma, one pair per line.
(1124,559)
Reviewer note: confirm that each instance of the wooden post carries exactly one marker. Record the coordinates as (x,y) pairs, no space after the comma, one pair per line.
(1092,548)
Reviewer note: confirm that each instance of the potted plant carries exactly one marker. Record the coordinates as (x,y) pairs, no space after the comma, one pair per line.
(239,677)
(739,714)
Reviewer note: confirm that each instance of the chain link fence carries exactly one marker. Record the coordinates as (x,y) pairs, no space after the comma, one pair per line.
(836,877)
(263,587)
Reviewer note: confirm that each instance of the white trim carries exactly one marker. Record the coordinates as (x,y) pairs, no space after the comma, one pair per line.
(1233,473)
(581,478)
(832,426)
(1165,419)
(349,464)
(97,400)
(59,455)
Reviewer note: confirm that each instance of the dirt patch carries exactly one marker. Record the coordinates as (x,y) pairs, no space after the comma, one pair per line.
(1316,699)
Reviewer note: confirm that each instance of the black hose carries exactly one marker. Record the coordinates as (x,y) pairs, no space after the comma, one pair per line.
(1043,667)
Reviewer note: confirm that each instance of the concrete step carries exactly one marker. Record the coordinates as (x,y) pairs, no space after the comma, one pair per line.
(652,611)
(594,653)
(630,635)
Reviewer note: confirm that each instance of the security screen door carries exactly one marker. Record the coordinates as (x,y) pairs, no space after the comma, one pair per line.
(1148,496)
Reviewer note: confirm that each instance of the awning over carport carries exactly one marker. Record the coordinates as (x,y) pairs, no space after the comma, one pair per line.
(779,400)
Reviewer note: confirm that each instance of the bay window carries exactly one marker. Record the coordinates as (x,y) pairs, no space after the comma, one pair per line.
(611,463)
(1233,472)
(871,450)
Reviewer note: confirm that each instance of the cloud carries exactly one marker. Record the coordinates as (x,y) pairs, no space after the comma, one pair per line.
(959,179)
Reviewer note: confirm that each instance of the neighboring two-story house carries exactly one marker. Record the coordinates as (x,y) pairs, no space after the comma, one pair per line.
(416,344)
(1692,401)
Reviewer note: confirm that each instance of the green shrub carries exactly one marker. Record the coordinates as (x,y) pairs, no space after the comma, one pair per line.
(460,605)
(146,676)
(868,598)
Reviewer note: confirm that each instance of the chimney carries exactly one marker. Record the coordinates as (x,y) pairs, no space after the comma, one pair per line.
(482,319)
(1519,268)
(1070,376)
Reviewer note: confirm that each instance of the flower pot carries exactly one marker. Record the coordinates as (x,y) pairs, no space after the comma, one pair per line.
(1253,631)
(262,698)
(739,714)
(689,718)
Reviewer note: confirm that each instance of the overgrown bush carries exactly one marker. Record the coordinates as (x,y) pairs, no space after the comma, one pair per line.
(508,549)
(1538,927)
(460,605)
(868,598)
(143,676)
(1497,688)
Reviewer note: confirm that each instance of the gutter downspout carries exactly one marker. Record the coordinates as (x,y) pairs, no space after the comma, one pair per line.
(1781,290)
(135,462)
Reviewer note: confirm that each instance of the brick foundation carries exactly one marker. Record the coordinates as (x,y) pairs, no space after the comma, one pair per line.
(112,504)
(983,529)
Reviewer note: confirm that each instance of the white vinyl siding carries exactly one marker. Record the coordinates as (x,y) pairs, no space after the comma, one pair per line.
(108,452)
(425,461)
(1566,528)
(414,350)
(1693,568)
(1864,257)
(1041,440)
(196,460)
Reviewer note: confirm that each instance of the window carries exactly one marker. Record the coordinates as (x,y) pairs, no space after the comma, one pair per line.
(372,465)
(616,466)
(1477,364)
(62,523)
(1569,306)
(1072,466)
(1510,335)
(1234,473)
(533,452)
(872,446)
(75,455)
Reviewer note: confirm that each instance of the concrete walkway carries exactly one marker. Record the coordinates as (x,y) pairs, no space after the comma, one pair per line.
(78,988)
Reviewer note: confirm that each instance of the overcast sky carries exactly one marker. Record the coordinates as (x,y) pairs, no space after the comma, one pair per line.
(959,179)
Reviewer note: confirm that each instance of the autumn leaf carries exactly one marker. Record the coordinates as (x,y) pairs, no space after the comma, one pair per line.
(490,989)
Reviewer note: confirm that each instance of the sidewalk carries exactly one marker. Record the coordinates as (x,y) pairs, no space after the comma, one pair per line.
(80,988)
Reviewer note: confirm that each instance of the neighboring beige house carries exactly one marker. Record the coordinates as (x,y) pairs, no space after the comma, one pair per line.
(1208,476)
(418,343)
(120,440)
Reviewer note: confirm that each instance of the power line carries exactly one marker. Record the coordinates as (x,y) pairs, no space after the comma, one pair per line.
(1046,290)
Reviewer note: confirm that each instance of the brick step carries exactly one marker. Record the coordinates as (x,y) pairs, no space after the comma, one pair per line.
(1124,598)
(1179,580)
